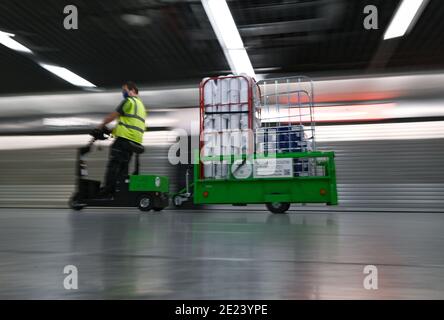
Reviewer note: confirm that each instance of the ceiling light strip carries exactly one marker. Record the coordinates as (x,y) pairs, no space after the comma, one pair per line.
(68,76)
(7,41)
(404,17)
(228,35)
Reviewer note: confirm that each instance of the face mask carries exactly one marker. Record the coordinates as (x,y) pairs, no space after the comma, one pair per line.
(125,94)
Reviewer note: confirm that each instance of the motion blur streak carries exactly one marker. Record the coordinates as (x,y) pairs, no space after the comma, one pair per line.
(361,132)
(152,138)
(415,96)
(397,164)
(381,131)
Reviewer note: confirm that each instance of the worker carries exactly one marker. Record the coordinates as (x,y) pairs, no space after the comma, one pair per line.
(130,116)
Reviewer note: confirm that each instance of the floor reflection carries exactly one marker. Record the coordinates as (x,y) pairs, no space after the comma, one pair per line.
(122,254)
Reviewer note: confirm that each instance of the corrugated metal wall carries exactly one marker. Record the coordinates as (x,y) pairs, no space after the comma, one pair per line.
(389,174)
(388,165)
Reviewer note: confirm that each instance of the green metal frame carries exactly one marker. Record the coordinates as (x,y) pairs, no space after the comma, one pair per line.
(148,183)
(311,189)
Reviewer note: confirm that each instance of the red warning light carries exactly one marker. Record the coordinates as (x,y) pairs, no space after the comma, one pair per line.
(205,194)
(323,192)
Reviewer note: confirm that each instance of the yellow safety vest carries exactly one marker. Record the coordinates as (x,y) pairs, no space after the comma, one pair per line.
(131,125)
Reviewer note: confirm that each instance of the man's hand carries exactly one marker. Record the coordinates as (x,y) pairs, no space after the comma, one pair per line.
(100,134)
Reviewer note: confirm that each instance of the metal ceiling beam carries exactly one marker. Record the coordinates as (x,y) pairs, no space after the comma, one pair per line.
(284,27)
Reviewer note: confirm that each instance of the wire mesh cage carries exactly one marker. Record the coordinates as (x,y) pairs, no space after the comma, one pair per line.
(240,117)
(286,111)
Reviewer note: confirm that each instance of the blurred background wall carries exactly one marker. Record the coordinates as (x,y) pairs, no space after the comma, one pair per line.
(387,132)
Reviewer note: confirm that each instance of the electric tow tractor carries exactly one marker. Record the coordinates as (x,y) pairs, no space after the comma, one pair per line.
(147,192)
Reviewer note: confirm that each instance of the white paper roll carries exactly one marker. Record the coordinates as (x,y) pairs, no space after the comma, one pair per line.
(226,143)
(224,170)
(218,171)
(210,93)
(235,121)
(224,90)
(235,108)
(244,84)
(209,123)
(208,170)
(218,144)
(234,90)
(236,150)
(245,138)
(221,170)
(216,96)
(218,122)
(209,144)
(225,121)
(236,138)
(221,122)
(244,121)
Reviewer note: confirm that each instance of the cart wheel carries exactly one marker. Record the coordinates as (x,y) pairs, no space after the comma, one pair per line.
(145,202)
(278,207)
(75,204)
(177,201)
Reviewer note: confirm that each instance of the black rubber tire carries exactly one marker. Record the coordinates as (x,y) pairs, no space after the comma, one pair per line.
(73,204)
(278,207)
(175,201)
(158,209)
(145,202)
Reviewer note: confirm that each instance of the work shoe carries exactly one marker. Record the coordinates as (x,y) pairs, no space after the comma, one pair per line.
(104,194)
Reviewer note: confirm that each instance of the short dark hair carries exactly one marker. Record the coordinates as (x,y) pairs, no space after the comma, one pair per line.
(131,86)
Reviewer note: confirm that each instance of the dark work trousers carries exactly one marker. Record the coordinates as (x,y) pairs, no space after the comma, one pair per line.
(118,163)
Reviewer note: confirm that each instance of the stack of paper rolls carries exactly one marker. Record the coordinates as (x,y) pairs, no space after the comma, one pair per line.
(228,116)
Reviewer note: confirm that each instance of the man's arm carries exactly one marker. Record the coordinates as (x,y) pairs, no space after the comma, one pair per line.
(114,115)
(109,118)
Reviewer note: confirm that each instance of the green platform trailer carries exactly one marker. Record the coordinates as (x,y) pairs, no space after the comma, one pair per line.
(276,193)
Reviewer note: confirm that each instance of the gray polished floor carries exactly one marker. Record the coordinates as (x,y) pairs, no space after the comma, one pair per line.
(232,254)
